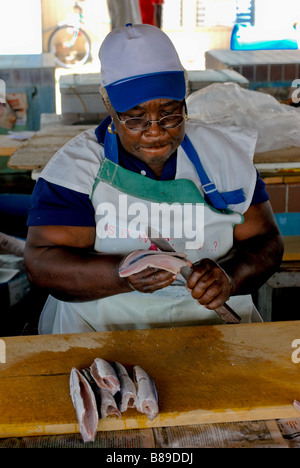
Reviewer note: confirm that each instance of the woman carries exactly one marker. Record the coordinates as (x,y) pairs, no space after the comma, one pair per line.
(97,195)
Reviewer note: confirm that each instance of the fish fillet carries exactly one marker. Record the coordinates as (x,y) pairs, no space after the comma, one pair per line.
(108,404)
(296,405)
(147,399)
(126,398)
(140,260)
(85,405)
(95,388)
(105,375)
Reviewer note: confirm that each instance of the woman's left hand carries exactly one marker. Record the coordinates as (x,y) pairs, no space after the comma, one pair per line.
(209,284)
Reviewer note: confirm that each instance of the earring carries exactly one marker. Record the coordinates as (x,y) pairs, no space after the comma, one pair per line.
(111,127)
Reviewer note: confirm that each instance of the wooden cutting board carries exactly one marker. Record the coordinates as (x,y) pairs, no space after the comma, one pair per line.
(204,374)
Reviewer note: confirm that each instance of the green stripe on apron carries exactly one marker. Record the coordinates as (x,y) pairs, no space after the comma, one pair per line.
(137,185)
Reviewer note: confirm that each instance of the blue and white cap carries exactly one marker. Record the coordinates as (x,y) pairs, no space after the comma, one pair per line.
(140,63)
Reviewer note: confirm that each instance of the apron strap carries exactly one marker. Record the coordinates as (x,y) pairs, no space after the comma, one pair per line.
(111,146)
(219,200)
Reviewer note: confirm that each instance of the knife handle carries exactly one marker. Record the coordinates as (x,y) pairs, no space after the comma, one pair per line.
(227,314)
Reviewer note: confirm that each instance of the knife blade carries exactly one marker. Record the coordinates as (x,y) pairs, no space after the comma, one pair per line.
(224,311)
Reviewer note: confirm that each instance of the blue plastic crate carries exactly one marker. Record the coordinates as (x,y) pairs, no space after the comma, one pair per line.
(288,223)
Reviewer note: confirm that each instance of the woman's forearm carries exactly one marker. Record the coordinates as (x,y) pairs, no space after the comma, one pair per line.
(75,274)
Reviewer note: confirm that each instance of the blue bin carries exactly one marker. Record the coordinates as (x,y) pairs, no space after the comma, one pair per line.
(288,223)
(248,37)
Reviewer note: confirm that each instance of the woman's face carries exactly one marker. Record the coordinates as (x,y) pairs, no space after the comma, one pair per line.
(155,144)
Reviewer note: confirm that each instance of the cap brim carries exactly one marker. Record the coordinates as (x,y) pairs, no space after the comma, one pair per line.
(126,94)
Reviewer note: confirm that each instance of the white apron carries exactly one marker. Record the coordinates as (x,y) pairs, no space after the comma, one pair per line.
(125,203)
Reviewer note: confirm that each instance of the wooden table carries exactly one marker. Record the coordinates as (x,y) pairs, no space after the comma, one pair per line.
(8,146)
(291,248)
(35,153)
(205,374)
(283,162)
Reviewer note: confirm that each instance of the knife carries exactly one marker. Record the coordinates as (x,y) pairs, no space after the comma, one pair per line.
(224,311)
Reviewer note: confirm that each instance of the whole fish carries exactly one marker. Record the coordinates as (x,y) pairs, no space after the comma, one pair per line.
(141,259)
(147,399)
(108,404)
(126,398)
(105,376)
(85,405)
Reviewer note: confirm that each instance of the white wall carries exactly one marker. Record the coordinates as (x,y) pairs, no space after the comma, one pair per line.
(21,27)
(273,14)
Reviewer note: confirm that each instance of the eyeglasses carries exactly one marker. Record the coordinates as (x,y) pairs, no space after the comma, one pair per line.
(140,124)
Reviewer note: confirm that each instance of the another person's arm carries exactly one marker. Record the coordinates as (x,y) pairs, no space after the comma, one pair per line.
(255,256)
(157,14)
